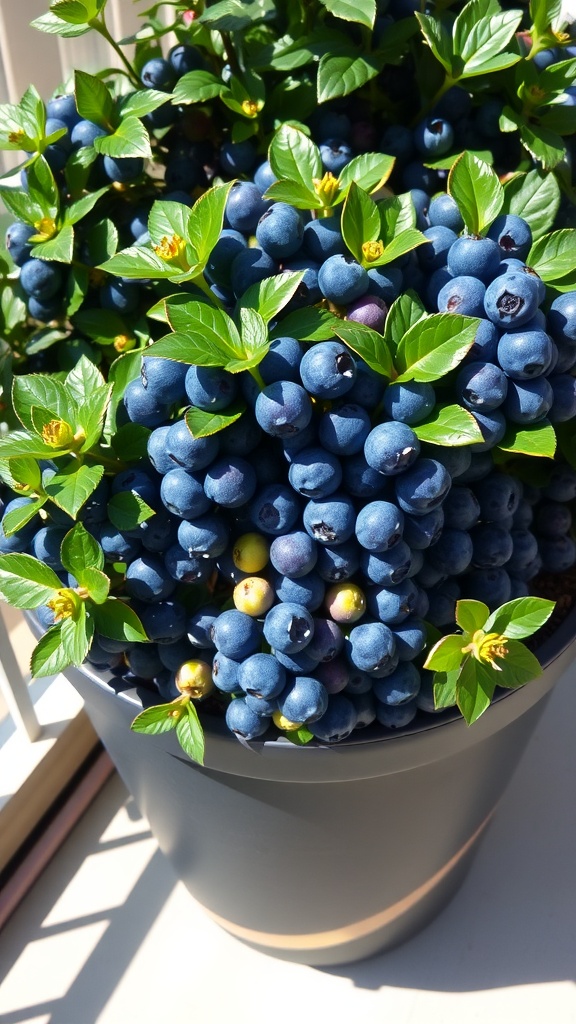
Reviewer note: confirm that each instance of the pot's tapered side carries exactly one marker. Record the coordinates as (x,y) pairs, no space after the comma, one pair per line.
(323,856)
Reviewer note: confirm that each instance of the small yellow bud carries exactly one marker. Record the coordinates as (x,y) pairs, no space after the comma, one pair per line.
(485,647)
(46,227)
(194,679)
(58,433)
(326,188)
(64,604)
(170,249)
(284,723)
(123,342)
(372,251)
(345,602)
(16,137)
(254,596)
(251,552)
(250,108)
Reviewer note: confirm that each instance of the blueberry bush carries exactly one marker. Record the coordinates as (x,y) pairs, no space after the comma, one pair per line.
(288,356)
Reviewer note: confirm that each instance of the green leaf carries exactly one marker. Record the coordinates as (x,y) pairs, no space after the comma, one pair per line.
(80,551)
(535,197)
(118,621)
(450,426)
(21,474)
(480,41)
(96,583)
(446,655)
(342,73)
(129,139)
(102,240)
(42,391)
(59,249)
(20,205)
(370,171)
(91,414)
(397,215)
(139,262)
(269,296)
(126,510)
(211,337)
(471,615)
(198,87)
(55,26)
(399,246)
(204,424)
(300,737)
(83,379)
(544,145)
(360,222)
(519,666)
(294,193)
(49,657)
(293,156)
(477,190)
(143,102)
(520,618)
(167,219)
(474,689)
(404,312)
(367,343)
(102,325)
(190,734)
(122,371)
(158,719)
(438,38)
(74,11)
(79,209)
(361,11)
(445,689)
(93,100)
(25,582)
(554,255)
(205,222)
(130,442)
(18,517)
(536,439)
(20,442)
(310,324)
(254,333)
(76,636)
(71,487)
(434,346)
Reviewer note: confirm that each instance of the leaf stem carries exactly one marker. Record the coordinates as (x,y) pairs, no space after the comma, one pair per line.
(255,372)
(99,24)
(201,283)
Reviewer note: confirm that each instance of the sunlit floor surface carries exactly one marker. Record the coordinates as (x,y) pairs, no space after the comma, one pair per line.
(108,936)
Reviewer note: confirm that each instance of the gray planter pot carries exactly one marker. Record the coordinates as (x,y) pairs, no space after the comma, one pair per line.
(325,855)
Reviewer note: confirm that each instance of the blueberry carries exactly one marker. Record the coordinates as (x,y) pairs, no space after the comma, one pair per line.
(282,361)
(337,722)
(84,132)
(524,550)
(304,699)
(342,280)
(471,255)
(17,245)
(187,568)
(492,586)
(492,424)
(493,545)
(409,402)
(219,265)
(481,385)
(485,342)
(335,155)
(323,238)
(187,451)
(288,627)
(147,579)
(444,212)
(392,605)
(183,494)
(512,234)
(293,554)
(379,526)
(511,299)
(558,554)
(564,404)
(117,547)
(498,496)
(165,621)
(433,256)
(123,168)
(385,283)
(274,509)
(327,641)
(243,721)
(210,388)
(387,568)
(199,628)
(433,137)
(452,552)
(552,519)
(422,487)
(528,401)
(283,409)
(245,206)
(163,378)
(158,73)
(561,485)
(264,176)
(420,531)
(463,294)
(41,279)
(524,354)
(328,369)
(261,675)
(143,406)
(206,535)
(330,521)
(391,448)
(410,636)
(371,647)
(237,157)
(46,545)
(339,563)
(360,480)
(315,473)
(225,673)
(280,230)
(230,482)
(396,716)
(307,590)
(236,634)
(401,686)
(184,58)
(461,508)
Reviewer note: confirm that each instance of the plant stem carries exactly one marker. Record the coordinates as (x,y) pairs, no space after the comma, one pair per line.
(447,84)
(255,372)
(99,24)
(201,283)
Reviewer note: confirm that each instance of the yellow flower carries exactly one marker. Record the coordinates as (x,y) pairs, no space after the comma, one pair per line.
(250,108)
(58,433)
(170,249)
(64,604)
(372,251)
(326,188)
(485,647)
(123,342)
(46,227)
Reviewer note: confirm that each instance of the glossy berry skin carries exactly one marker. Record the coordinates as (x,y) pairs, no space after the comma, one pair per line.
(512,234)
(283,409)
(143,406)
(477,257)
(123,168)
(379,526)
(330,521)
(328,369)
(41,278)
(84,133)
(230,482)
(463,294)
(288,627)
(17,245)
(185,567)
(525,354)
(158,73)
(422,487)
(345,602)
(391,448)
(444,212)
(481,385)
(433,255)
(184,58)
(409,402)
(492,424)
(236,635)
(342,280)
(335,155)
(237,157)
(511,300)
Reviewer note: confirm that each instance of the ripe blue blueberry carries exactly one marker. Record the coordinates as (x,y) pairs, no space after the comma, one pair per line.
(401,686)
(481,385)
(330,521)
(335,155)
(183,494)
(422,487)
(379,526)
(315,473)
(328,369)
(243,721)
(282,361)
(280,230)
(420,531)
(392,605)
(236,634)
(147,579)
(307,590)
(463,294)
(512,234)
(342,279)
(288,627)
(511,300)
(182,449)
(293,554)
(210,388)
(452,552)
(387,568)
(261,675)
(283,409)
(391,448)
(230,482)
(433,137)
(274,509)
(528,401)
(337,722)
(409,402)
(461,508)
(471,255)
(245,206)
(41,279)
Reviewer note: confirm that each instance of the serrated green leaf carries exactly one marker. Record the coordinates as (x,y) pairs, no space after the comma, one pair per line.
(167,219)
(94,101)
(474,689)
(20,205)
(49,657)
(143,102)
(367,343)
(294,193)
(18,517)
(270,296)
(294,157)
(342,73)
(554,255)
(205,222)
(80,551)
(544,145)
(480,41)
(519,666)
(536,439)
(446,655)
(450,426)
(211,337)
(118,621)
(361,11)
(83,379)
(96,583)
(438,38)
(471,615)
(310,324)
(42,391)
(126,510)
(59,249)
(190,734)
(204,424)
(72,485)
(520,618)
(55,26)
(370,171)
(535,197)
(21,442)
(434,346)
(130,442)
(76,636)
(404,312)
(361,222)
(26,582)
(139,262)
(158,719)
(129,139)
(444,687)
(254,334)
(235,15)
(477,190)
(198,87)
